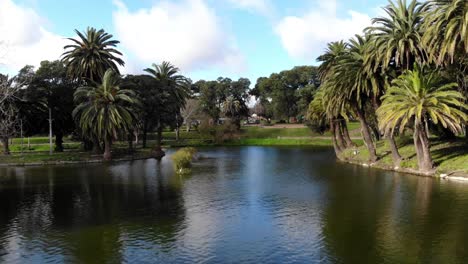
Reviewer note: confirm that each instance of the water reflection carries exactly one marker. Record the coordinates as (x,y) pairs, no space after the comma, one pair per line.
(252,204)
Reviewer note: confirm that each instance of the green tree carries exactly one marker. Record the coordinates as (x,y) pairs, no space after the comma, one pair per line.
(105,109)
(446,30)
(234,109)
(176,90)
(351,84)
(282,90)
(398,35)
(52,92)
(418,97)
(331,103)
(92,54)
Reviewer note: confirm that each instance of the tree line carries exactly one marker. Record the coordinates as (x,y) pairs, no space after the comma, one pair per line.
(407,72)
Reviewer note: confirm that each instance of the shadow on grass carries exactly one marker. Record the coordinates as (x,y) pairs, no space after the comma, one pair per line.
(443,150)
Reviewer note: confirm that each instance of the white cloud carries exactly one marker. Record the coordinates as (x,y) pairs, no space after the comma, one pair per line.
(187,33)
(305,37)
(264,7)
(25,40)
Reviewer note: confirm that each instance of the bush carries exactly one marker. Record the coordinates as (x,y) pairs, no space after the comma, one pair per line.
(225,132)
(183,158)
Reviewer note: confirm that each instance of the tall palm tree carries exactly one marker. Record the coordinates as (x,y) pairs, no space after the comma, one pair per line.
(176,92)
(446,38)
(416,98)
(104,110)
(91,55)
(353,84)
(398,35)
(330,57)
(335,114)
(446,29)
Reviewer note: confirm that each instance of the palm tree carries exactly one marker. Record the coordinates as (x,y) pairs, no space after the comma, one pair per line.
(398,35)
(416,98)
(335,116)
(446,38)
(176,91)
(105,110)
(352,84)
(446,29)
(91,55)
(330,57)
(234,109)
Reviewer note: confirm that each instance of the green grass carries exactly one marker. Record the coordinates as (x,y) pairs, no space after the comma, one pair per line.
(45,157)
(448,156)
(36,140)
(278,142)
(42,147)
(260,132)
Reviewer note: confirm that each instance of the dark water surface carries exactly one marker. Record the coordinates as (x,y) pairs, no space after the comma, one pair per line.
(240,205)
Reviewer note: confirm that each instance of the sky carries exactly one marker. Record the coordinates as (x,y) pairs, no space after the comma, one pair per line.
(206,39)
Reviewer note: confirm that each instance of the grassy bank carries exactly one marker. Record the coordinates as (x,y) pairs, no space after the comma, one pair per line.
(448,156)
(44,158)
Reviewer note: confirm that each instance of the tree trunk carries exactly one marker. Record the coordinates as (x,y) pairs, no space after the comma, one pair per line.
(425,162)
(177,134)
(187,125)
(6,146)
(58,141)
(339,136)
(107,149)
(337,148)
(345,132)
(366,135)
(396,157)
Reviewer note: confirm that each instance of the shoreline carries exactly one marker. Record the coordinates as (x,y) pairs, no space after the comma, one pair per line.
(445,176)
(143,154)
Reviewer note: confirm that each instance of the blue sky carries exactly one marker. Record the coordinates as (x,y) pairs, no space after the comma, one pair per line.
(205,38)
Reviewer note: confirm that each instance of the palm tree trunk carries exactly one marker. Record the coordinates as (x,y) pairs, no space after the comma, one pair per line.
(396,157)
(337,148)
(426,162)
(107,149)
(6,146)
(345,133)
(366,135)
(339,136)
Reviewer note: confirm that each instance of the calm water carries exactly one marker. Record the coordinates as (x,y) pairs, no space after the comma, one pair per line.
(249,205)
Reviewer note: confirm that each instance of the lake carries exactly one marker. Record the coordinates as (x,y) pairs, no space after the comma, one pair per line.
(240,205)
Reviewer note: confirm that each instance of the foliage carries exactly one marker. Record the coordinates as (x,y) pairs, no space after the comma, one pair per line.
(420,95)
(104,109)
(281,92)
(182,159)
(49,88)
(91,55)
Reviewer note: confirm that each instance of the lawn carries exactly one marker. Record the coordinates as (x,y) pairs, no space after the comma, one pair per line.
(448,156)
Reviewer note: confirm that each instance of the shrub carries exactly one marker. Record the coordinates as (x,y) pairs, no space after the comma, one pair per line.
(183,158)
